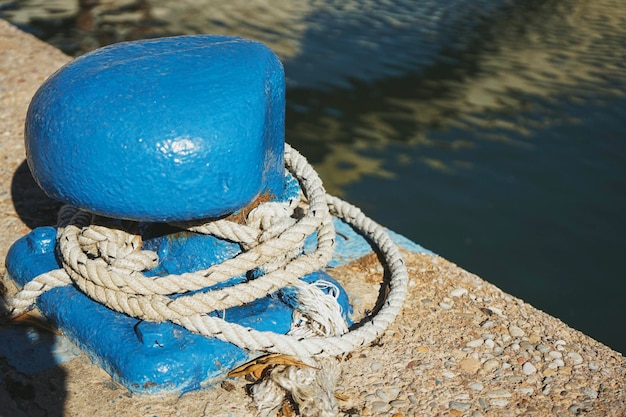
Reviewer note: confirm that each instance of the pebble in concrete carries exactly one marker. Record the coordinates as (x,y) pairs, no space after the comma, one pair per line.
(516,331)
(529,368)
(470,365)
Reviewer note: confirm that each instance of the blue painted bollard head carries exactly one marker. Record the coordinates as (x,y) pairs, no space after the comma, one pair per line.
(161,130)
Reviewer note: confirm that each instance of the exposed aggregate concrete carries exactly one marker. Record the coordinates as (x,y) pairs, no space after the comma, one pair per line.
(461,347)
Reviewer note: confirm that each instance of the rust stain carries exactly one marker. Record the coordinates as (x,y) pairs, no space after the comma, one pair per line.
(241,215)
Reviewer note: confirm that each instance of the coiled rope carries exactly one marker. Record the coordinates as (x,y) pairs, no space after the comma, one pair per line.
(106,262)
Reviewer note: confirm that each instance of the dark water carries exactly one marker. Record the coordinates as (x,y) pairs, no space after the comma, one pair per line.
(491,132)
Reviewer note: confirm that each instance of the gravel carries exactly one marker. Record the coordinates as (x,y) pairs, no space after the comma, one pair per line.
(458,292)
(515,331)
(501,393)
(476,386)
(376,366)
(499,402)
(456,405)
(528,368)
(575,358)
(588,392)
(378,406)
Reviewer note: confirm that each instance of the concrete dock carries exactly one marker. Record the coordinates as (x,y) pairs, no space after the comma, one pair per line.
(461,347)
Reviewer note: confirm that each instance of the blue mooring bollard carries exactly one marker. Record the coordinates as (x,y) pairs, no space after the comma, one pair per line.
(157,131)
(161,130)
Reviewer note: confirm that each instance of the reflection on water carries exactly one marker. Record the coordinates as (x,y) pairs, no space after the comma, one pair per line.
(491,132)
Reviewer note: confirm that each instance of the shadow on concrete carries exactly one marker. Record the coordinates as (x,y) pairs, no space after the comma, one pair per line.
(31,382)
(31,204)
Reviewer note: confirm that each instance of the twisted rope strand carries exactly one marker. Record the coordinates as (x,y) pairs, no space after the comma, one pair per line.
(23,301)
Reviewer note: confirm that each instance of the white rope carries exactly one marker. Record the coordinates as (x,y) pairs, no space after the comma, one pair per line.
(106,262)
(312,388)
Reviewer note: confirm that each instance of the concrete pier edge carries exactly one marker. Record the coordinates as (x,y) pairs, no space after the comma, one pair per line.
(460,347)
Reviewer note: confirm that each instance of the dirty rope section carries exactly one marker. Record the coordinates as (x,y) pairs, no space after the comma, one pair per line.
(106,263)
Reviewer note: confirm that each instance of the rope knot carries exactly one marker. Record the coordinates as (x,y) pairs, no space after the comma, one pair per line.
(119,249)
(271,219)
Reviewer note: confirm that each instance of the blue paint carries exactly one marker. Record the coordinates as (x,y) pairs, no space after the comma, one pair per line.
(161,130)
(178,250)
(352,245)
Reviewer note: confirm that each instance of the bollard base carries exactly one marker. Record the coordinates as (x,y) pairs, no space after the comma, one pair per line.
(147,357)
